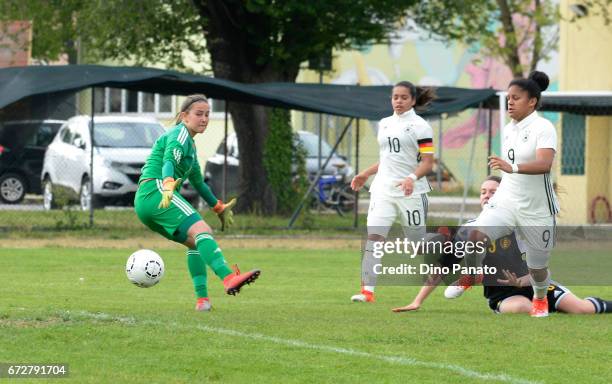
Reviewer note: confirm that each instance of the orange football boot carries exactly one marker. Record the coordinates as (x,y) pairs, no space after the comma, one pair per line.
(237,280)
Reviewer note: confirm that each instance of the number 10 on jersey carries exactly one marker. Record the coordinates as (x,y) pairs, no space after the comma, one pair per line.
(394,144)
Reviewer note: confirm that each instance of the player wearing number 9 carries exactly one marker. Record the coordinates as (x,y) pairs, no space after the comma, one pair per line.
(400,186)
(525,200)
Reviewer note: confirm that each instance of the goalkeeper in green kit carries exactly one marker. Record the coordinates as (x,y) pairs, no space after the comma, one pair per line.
(160,206)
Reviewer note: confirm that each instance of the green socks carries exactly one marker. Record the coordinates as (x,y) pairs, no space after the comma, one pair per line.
(212,255)
(197,269)
(207,253)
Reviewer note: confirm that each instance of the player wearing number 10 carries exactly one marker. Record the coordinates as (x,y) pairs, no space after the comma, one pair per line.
(525,199)
(400,186)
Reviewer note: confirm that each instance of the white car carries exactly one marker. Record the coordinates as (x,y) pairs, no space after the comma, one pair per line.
(121,146)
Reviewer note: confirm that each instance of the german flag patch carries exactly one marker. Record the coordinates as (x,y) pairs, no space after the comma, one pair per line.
(426,145)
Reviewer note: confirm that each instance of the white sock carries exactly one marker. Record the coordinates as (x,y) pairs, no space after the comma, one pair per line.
(540,288)
(368,277)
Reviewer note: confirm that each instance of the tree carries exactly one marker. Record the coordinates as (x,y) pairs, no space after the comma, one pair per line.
(249,41)
(519,32)
(261,41)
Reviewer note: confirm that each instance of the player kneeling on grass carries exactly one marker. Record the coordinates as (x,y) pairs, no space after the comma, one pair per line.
(160,206)
(507,293)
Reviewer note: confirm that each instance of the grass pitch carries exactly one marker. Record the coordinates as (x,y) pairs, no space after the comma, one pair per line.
(294,325)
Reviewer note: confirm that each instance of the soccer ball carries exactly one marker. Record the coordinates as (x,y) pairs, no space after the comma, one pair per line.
(144,268)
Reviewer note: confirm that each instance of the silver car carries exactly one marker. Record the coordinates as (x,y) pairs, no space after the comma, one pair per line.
(337,166)
(121,146)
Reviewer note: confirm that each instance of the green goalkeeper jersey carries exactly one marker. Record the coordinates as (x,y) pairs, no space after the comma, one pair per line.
(174,155)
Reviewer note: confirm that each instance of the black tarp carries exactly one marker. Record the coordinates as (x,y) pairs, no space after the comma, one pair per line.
(368,102)
(580,105)
(17,83)
(371,102)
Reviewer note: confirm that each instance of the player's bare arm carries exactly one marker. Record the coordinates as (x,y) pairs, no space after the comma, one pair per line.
(513,280)
(542,164)
(360,179)
(423,169)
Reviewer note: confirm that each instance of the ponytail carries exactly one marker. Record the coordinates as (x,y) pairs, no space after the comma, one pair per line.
(425,95)
(422,95)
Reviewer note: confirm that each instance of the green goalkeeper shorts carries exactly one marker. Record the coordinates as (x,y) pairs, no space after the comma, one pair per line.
(172,222)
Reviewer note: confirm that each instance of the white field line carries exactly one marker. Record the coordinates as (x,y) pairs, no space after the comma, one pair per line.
(399,360)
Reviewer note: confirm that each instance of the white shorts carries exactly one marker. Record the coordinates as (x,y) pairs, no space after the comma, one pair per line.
(411,210)
(538,232)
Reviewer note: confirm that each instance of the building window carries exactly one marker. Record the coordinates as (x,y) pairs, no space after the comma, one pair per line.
(132,102)
(115,100)
(573,141)
(165,103)
(148,102)
(99,100)
(217,108)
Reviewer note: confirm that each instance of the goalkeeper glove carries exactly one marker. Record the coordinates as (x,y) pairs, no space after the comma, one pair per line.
(169,186)
(225,214)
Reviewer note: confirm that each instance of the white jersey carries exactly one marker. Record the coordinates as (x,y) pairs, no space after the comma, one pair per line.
(402,139)
(532,195)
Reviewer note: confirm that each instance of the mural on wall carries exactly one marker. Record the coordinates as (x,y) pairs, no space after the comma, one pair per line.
(488,74)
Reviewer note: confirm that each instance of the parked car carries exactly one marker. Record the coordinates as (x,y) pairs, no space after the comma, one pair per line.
(22,150)
(213,172)
(120,147)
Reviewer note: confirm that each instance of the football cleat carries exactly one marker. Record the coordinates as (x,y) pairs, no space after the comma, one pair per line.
(237,280)
(203,304)
(363,297)
(539,307)
(456,289)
